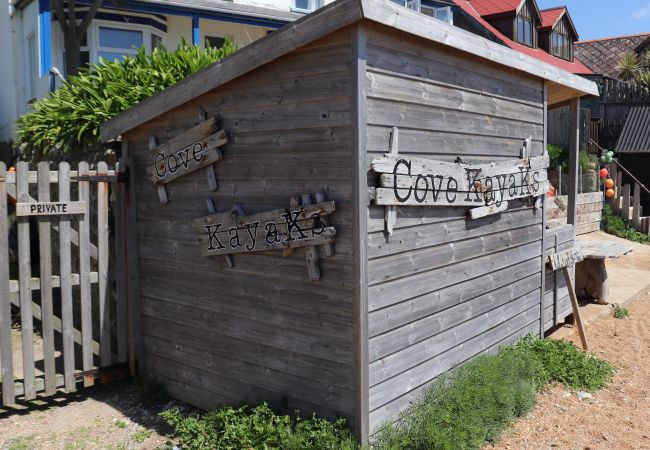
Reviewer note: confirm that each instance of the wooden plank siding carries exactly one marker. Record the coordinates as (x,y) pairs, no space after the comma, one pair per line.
(261,330)
(557,303)
(445,288)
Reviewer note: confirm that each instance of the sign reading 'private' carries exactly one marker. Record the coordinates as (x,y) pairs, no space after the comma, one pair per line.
(425,182)
(225,233)
(50,208)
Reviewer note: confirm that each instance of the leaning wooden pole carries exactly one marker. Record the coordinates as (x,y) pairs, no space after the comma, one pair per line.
(576,308)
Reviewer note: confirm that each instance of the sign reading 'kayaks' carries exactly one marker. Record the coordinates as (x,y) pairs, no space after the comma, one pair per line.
(225,233)
(185,153)
(425,182)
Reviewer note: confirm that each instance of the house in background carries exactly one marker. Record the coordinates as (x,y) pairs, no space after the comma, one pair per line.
(603,55)
(31,41)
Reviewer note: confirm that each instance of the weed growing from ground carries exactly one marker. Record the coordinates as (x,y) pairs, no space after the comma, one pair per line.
(141,435)
(620,312)
(618,226)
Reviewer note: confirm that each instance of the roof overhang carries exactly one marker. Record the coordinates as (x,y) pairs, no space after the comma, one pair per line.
(562,85)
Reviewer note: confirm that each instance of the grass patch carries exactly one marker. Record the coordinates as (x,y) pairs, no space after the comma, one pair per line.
(623,228)
(257,428)
(620,312)
(141,435)
(472,406)
(120,423)
(462,409)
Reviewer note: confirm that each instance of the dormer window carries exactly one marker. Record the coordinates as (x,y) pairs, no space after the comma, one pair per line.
(525,27)
(561,45)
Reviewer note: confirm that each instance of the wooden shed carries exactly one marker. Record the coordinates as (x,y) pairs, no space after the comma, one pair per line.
(362,109)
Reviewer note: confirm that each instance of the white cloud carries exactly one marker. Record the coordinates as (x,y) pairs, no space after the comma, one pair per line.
(643,13)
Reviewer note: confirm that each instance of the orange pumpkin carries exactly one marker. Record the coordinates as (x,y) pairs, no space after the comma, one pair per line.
(609,193)
(609,183)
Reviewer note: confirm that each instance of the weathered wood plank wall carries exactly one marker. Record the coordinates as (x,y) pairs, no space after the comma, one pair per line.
(260,330)
(445,289)
(557,304)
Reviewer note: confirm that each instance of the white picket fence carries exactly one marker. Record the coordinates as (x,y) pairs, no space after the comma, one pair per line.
(627,201)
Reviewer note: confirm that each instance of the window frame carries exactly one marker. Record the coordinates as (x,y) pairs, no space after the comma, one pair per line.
(525,22)
(93,37)
(313,6)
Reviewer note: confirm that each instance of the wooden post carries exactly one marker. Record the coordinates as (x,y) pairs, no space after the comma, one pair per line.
(6,360)
(576,308)
(65,269)
(625,207)
(120,269)
(543,212)
(636,206)
(25,290)
(311,252)
(84,279)
(619,191)
(574,148)
(102,266)
(45,275)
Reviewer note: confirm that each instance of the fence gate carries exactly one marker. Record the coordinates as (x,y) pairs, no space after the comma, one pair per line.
(62,317)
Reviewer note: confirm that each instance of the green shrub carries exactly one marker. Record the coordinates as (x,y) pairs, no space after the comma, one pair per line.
(620,312)
(557,156)
(623,228)
(257,428)
(472,406)
(69,118)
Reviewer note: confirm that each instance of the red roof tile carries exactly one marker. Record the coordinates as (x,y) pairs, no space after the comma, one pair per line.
(490,7)
(574,66)
(551,16)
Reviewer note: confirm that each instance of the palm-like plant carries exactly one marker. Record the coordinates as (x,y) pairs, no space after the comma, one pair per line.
(644,78)
(629,66)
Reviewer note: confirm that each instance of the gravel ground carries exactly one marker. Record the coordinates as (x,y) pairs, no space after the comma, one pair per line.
(104,417)
(617,417)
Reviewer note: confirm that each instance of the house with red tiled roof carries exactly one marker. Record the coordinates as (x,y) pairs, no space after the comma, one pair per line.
(548,35)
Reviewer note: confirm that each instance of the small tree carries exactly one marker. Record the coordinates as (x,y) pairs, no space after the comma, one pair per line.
(629,66)
(73,31)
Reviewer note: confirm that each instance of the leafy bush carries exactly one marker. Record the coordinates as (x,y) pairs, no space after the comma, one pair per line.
(620,312)
(472,406)
(257,428)
(623,228)
(557,155)
(68,119)
(560,157)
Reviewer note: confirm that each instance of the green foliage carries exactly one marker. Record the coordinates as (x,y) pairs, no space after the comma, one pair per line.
(257,428)
(560,157)
(69,118)
(562,362)
(623,228)
(620,312)
(557,155)
(120,423)
(629,66)
(141,435)
(473,405)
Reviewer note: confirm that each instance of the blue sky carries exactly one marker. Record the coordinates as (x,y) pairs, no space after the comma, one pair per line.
(600,18)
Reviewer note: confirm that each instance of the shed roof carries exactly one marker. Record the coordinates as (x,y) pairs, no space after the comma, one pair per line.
(635,137)
(562,84)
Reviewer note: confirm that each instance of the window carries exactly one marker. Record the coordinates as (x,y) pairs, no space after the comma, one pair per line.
(115,43)
(525,27)
(305,5)
(156,41)
(561,45)
(214,41)
(445,13)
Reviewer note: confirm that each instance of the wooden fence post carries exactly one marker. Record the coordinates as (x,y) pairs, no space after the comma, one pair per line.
(65,264)
(45,275)
(619,191)
(625,208)
(25,290)
(636,206)
(102,266)
(84,278)
(6,360)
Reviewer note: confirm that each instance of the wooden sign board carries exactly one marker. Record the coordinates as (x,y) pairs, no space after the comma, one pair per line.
(51,208)
(223,233)
(425,182)
(564,259)
(185,153)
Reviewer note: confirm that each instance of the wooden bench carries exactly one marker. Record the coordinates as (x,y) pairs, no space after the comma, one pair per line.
(591,273)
